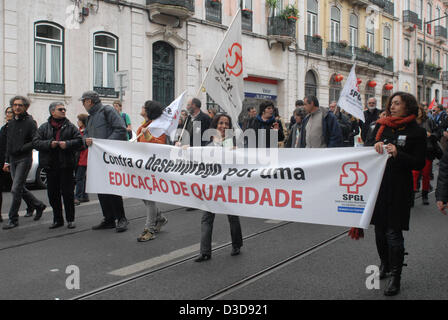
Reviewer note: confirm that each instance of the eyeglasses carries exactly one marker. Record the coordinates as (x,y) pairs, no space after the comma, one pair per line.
(9,111)
(61,109)
(18,105)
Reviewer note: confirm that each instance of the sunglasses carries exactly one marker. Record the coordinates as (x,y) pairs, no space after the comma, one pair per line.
(61,109)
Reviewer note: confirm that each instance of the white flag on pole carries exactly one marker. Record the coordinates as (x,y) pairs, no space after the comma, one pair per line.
(168,121)
(224,80)
(350,99)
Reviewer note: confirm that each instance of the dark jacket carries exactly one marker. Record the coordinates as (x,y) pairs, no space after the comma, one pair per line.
(291,141)
(346,128)
(104,122)
(3,132)
(57,157)
(442,180)
(432,148)
(330,127)
(393,205)
(204,120)
(369,117)
(19,141)
(257,123)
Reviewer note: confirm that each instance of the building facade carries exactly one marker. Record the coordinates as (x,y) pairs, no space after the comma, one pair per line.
(54,50)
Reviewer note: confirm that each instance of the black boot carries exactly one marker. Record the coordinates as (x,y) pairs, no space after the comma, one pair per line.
(425,198)
(396,255)
(383,252)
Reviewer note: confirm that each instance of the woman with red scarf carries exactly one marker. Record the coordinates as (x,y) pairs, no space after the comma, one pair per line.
(404,140)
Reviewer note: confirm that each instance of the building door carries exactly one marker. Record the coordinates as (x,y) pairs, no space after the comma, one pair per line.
(163,73)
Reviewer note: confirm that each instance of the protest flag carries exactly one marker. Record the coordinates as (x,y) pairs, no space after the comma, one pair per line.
(350,99)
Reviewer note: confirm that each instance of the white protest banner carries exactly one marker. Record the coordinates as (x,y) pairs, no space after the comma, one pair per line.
(335,186)
(350,98)
(224,80)
(167,123)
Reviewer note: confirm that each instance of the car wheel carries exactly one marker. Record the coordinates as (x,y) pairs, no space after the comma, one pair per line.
(41,178)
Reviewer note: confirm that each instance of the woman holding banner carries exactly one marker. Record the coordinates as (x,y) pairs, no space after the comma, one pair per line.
(405,141)
(154,219)
(221,123)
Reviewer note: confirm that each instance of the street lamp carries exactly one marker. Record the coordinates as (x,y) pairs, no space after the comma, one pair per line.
(425,23)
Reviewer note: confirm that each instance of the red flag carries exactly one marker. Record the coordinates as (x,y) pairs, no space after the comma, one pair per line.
(432,104)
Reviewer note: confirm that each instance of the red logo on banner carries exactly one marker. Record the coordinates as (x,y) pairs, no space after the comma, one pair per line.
(352,177)
(234,61)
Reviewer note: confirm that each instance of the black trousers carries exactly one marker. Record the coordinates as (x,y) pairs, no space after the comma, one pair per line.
(112,207)
(387,237)
(60,183)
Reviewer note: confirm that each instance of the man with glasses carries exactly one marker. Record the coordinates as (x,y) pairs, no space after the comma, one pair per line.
(57,141)
(105,123)
(19,158)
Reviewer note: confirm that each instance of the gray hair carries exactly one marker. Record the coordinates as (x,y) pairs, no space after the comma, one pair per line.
(53,105)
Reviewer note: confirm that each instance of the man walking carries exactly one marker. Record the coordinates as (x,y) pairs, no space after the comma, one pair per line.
(320,128)
(19,158)
(57,141)
(370,115)
(197,123)
(105,123)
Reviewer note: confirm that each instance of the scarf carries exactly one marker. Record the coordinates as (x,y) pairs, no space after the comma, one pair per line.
(57,125)
(266,123)
(392,122)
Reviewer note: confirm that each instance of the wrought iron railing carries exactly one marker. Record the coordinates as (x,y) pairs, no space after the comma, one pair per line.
(430,71)
(278,26)
(445,76)
(246,20)
(313,44)
(389,66)
(389,7)
(379,3)
(440,31)
(45,87)
(339,50)
(213,11)
(411,17)
(188,4)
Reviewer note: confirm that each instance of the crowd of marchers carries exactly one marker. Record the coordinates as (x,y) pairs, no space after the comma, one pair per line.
(407,131)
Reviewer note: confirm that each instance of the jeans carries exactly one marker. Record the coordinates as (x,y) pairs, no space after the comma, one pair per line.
(207,229)
(152,215)
(60,184)
(80,193)
(19,172)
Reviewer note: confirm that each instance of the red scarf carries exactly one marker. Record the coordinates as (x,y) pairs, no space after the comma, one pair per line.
(57,125)
(392,122)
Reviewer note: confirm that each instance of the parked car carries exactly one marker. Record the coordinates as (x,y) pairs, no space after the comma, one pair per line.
(36,177)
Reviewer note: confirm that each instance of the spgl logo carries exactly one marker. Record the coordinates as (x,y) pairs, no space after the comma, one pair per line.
(352,178)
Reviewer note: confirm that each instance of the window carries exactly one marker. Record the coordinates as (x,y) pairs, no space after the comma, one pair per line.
(371,40)
(429,16)
(406,52)
(312,7)
(438,58)
(437,95)
(353,30)
(438,16)
(278,9)
(386,42)
(420,51)
(446,62)
(105,61)
(335,89)
(429,56)
(419,8)
(335,24)
(213,11)
(310,84)
(48,58)
(246,17)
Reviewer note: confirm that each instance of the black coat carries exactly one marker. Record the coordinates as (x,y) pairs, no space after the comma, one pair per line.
(205,122)
(393,205)
(369,117)
(19,141)
(3,132)
(256,124)
(57,157)
(442,180)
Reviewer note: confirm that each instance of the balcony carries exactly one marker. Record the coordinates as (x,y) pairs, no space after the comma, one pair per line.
(445,2)
(281,30)
(440,34)
(213,10)
(313,45)
(45,87)
(445,75)
(246,19)
(410,19)
(379,3)
(389,7)
(338,50)
(431,71)
(359,3)
(180,9)
(389,65)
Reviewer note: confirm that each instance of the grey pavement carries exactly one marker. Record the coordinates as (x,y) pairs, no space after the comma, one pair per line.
(34,259)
